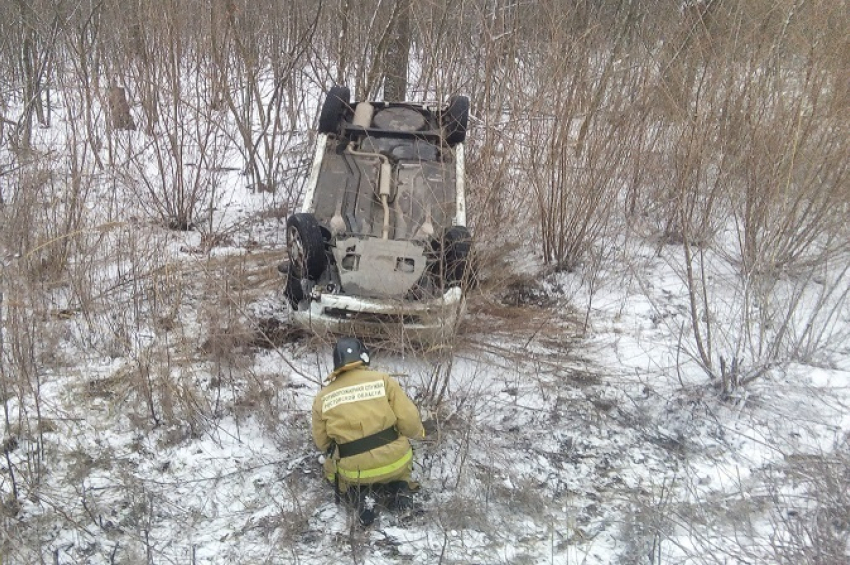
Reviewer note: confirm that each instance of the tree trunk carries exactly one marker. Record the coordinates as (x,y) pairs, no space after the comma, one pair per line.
(119,109)
(342,45)
(395,77)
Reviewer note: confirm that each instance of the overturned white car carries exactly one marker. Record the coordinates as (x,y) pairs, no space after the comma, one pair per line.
(380,244)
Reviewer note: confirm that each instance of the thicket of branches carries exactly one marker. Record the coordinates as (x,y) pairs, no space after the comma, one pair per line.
(718,126)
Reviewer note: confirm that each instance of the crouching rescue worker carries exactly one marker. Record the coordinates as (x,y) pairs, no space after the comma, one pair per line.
(362,420)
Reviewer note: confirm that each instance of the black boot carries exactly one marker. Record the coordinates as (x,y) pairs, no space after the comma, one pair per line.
(400,496)
(364,503)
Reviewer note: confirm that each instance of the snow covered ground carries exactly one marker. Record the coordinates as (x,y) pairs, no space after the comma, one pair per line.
(557,443)
(168,421)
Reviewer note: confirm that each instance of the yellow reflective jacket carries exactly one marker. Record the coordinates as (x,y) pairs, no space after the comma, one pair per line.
(359,403)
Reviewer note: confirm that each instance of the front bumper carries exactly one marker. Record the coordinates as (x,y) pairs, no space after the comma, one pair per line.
(421,321)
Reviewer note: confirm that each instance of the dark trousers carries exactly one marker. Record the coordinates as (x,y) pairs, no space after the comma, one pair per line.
(366,498)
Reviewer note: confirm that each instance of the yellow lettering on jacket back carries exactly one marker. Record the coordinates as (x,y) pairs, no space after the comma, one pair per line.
(354,393)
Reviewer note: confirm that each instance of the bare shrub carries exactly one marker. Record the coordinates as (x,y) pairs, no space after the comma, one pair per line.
(35,32)
(575,151)
(260,87)
(793,179)
(21,379)
(175,177)
(647,525)
(756,155)
(813,523)
(43,217)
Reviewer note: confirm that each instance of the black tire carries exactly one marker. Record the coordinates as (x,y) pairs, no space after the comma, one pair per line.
(336,102)
(294,292)
(306,247)
(456,119)
(455,251)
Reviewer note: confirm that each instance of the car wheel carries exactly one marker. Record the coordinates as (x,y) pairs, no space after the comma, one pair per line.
(456,248)
(306,247)
(336,102)
(456,119)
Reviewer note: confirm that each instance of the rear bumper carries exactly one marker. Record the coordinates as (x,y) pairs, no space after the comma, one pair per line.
(422,321)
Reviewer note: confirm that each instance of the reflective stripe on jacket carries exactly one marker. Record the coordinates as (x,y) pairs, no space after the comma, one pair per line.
(359,403)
